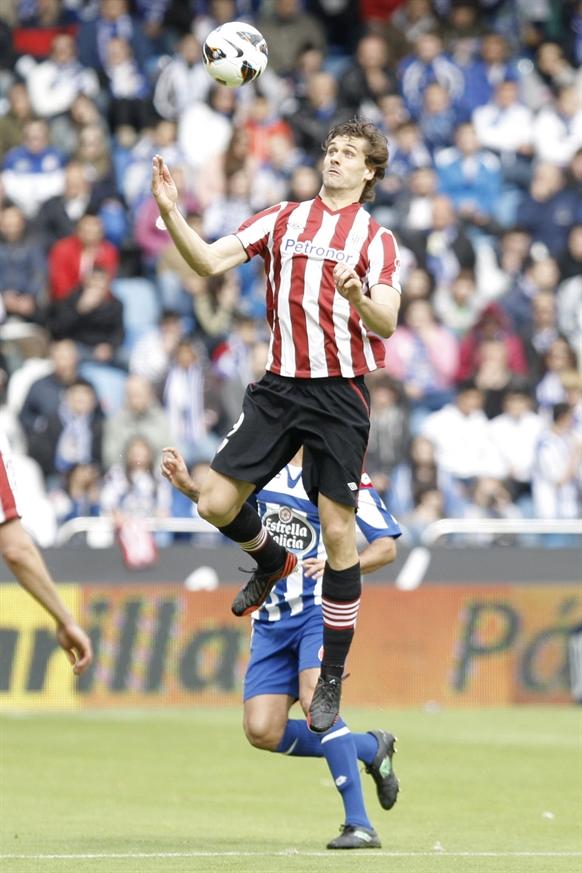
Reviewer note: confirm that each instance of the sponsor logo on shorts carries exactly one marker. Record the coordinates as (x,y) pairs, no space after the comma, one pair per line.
(290,529)
(352,486)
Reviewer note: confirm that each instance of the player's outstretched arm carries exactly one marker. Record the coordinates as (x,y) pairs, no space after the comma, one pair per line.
(206,259)
(173,468)
(29,568)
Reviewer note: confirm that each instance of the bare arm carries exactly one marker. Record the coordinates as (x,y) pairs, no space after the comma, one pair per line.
(29,568)
(377,554)
(206,259)
(379,312)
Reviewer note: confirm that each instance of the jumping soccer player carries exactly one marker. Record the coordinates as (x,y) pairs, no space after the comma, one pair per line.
(332,292)
(29,568)
(286,643)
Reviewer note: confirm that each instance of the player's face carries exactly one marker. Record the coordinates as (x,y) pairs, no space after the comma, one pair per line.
(344,165)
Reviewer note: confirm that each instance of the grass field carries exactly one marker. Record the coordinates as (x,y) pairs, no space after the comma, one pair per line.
(488,790)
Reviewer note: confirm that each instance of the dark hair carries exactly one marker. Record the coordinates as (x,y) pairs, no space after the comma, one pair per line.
(560,411)
(376,149)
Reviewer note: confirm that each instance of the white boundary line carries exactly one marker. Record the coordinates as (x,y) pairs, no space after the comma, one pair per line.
(286,853)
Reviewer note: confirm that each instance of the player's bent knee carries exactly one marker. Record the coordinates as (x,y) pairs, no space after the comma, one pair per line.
(261,735)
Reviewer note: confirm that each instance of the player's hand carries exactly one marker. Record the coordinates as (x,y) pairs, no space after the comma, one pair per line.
(163,186)
(173,468)
(77,646)
(313,568)
(347,283)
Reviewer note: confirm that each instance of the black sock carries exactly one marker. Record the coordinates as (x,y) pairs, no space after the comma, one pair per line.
(341,591)
(248,532)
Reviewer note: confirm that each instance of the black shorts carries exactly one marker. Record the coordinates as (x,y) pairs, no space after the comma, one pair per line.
(328,417)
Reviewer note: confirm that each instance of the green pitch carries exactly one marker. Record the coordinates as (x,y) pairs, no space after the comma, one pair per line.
(483,791)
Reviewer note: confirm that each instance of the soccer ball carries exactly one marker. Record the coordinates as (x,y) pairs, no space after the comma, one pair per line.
(235,53)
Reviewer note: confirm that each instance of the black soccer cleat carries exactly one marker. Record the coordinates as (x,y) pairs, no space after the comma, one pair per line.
(259,586)
(355,837)
(325,704)
(381,769)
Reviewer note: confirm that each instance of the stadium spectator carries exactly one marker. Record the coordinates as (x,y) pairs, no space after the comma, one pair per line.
(559,359)
(91,316)
(541,332)
(214,117)
(75,256)
(54,84)
(414,478)
(550,208)
(389,430)
(65,128)
(484,73)
(93,152)
(368,77)
(459,433)
(557,131)
(44,395)
(287,30)
(58,217)
(470,176)
(129,91)
(551,71)
(136,167)
(556,471)
(131,488)
(505,127)
(414,203)
(141,415)
(190,418)
(182,81)
(13,122)
(22,268)
(492,325)
(462,31)
(493,375)
(538,275)
(458,305)
(80,496)
(438,119)
(570,262)
(34,171)
(215,304)
(444,247)
(112,21)
(153,352)
(427,65)
(262,123)
(71,435)
(319,110)
(228,212)
(423,356)
(515,434)
(569,305)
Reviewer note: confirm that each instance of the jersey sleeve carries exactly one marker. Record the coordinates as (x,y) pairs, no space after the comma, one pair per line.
(254,233)
(384,260)
(373,518)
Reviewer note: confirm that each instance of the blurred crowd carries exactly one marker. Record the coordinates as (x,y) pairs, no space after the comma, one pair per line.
(111,348)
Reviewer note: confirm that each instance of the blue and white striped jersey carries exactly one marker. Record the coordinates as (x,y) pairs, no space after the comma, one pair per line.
(293,520)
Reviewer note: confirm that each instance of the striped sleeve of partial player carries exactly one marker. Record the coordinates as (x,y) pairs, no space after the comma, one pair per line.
(8,505)
(372,517)
(255,233)
(383,259)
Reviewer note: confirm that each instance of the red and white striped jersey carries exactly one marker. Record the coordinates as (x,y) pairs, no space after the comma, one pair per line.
(8,504)
(314,330)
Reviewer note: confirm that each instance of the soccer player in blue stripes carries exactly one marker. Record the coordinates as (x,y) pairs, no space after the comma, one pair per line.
(287,641)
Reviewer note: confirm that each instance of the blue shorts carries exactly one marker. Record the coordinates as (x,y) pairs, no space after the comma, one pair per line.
(280,650)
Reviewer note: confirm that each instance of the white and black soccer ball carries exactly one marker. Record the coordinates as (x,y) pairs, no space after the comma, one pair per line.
(235,53)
